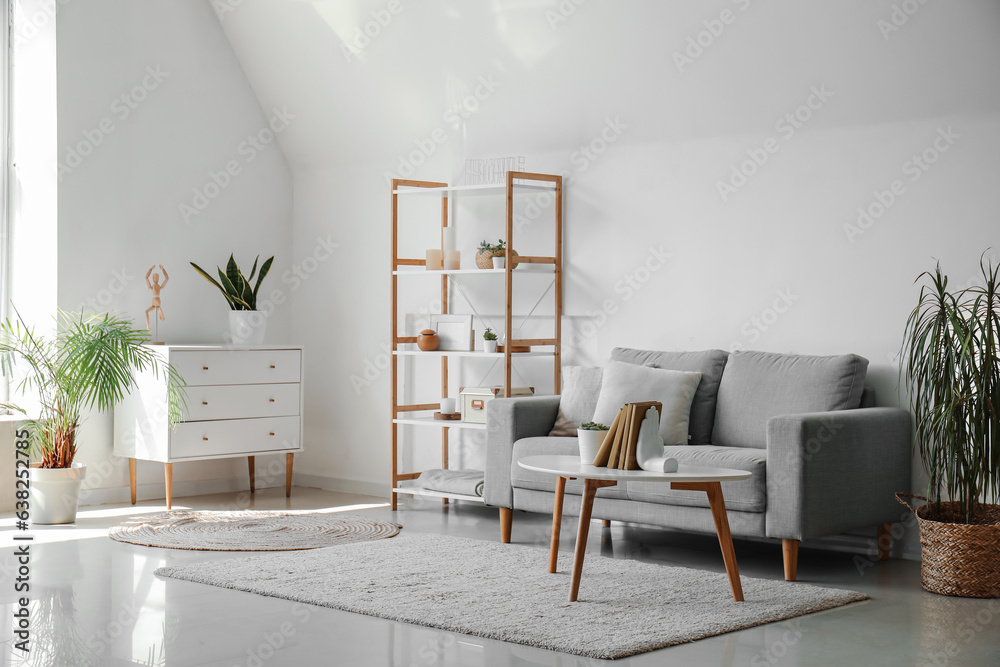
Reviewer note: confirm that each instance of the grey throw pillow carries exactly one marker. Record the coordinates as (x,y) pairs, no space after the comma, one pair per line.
(581,385)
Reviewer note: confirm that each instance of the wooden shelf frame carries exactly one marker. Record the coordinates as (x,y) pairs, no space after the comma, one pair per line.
(517,182)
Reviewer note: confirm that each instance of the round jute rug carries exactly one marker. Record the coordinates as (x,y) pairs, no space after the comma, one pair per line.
(250,531)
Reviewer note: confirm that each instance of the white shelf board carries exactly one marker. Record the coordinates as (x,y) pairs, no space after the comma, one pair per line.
(546,271)
(461,353)
(498,188)
(436,494)
(430,421)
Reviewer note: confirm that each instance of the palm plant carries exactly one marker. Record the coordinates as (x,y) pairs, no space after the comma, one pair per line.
(951,362)
(88,364)
(234,286)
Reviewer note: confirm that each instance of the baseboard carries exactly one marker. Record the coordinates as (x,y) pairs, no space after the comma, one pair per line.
(181,489)
(375,489)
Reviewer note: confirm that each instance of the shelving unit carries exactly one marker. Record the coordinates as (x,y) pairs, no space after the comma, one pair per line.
(409,415)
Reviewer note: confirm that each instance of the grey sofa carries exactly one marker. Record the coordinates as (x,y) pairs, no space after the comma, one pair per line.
(815,473)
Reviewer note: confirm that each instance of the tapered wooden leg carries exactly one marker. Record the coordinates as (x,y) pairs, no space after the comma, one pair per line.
(506,523)
(590,487)
(253,474)
(131,478)
(718,505)
(884,541)
(790,552)
(606,523)
(168,473)
(556,523)
(289,459)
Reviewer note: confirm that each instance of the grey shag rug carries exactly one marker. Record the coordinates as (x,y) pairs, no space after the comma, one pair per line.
(504,592)
(249,530)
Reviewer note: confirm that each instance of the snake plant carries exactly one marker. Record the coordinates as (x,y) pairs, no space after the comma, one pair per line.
(239,295)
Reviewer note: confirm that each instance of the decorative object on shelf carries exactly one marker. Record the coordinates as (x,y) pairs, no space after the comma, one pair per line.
(434,260)
(489,341)
(950,360)
(590,436)
(620,446)
(155,287)
(448,416)
(454,331)
(447,405)
(452,260)
(448,239)
(498,262)
(428,340)
(88,364)
(487,251)
(246,323)
(474,400)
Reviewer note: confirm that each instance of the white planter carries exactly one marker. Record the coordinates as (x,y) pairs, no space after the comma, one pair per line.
(498,262)
(590,442)
(490,346)
(247,326)
(55,493)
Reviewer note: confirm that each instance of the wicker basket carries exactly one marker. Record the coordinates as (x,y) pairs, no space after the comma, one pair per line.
(957,558)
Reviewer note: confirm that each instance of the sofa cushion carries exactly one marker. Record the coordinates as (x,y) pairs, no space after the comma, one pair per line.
(626,383)
(759,385)
(540,481)
(747,495)
(710,363)
(581,386)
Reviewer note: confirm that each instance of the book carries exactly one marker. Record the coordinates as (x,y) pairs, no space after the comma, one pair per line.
(604,453)
(620,445)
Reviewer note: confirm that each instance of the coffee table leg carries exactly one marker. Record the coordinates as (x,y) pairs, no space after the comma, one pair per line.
(556,523)
(718,505)
(590,487)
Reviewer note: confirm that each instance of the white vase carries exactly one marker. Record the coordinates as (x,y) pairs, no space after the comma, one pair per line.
(498,262)
(247,326)
(489,346)
(590,443)
(55,493)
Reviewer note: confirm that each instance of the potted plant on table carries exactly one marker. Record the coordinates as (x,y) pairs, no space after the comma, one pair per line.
(951,363)
(591,436)
(246,323)
(489,341)
(89,363)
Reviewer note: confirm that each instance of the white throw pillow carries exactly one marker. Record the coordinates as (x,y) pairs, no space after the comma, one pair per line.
(627,383)
(581,385)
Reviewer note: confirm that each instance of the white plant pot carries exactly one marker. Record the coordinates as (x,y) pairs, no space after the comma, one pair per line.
(498,262)
(590,443)
(247,326)
(55,493)
(490,346)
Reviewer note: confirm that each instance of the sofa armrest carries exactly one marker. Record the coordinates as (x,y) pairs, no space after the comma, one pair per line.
(507,421)
(830,472)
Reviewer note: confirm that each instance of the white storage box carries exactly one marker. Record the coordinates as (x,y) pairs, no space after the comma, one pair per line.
(474,399)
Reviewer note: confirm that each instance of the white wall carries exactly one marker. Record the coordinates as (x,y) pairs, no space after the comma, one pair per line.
(153,94)
(883,85)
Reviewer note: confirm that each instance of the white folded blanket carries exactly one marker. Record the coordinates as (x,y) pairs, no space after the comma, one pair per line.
(464,482)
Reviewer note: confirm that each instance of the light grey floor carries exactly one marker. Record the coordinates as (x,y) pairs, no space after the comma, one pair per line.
(101,604)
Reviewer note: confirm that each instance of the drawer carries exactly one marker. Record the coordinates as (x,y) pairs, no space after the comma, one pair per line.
(205,367)
(241,401)
(233,437)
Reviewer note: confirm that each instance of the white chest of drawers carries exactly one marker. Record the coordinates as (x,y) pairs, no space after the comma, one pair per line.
(241,401)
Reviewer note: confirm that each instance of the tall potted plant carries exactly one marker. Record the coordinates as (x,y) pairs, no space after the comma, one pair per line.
(246,323)
(951,363)
(89,363)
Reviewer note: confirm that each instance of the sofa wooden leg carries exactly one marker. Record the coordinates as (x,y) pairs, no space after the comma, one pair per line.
(884,541)
(506,521)
(790,550)
(606,523)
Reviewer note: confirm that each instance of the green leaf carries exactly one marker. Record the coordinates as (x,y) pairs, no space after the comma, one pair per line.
(265,268)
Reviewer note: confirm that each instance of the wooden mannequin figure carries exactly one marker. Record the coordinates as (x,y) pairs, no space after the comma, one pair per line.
(155,287)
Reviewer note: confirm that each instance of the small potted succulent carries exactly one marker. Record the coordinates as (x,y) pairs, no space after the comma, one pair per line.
(591,436)
(246,323)
(489,341)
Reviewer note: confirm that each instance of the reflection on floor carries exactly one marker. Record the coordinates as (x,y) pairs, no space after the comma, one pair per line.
(98,603)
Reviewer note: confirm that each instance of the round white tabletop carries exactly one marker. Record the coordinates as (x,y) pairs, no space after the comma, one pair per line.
(572,466)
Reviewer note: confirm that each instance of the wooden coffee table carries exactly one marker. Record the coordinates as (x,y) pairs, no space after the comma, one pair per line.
(688,478)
